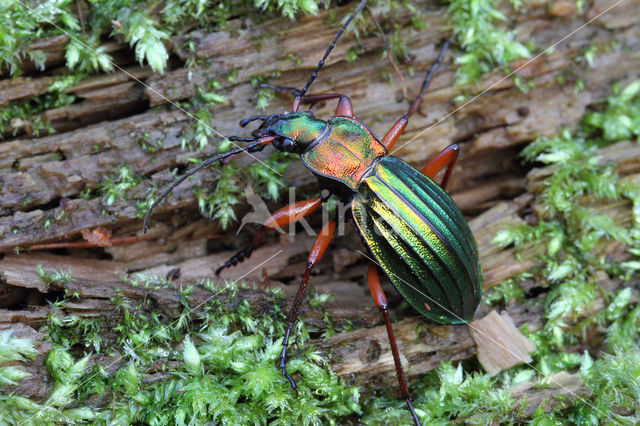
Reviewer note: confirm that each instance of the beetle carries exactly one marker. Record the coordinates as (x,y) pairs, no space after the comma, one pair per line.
(411,227)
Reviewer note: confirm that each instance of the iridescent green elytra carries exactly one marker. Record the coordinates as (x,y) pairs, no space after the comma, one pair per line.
(420,239)
(409,223)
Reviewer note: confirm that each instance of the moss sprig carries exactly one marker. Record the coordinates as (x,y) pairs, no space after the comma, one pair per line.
(486,46)
(620,118)
(230,184)
(118,188)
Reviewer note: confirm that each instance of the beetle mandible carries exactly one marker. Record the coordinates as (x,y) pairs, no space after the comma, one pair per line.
(409,224)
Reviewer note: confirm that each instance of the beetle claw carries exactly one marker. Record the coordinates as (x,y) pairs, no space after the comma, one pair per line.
(291,382)
(283,368)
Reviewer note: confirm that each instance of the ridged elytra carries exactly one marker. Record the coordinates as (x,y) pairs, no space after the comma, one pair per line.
(409,224)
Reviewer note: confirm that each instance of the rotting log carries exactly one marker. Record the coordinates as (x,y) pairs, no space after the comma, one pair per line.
(41,178)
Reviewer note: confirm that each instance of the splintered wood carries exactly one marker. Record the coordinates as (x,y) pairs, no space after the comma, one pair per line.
(547,393)
(499,343)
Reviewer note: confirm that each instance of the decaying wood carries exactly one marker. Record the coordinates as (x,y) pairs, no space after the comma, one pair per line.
(42,178)
(500,344)
(557,389)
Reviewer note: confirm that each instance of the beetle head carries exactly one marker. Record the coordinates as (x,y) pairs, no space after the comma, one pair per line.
(294,131)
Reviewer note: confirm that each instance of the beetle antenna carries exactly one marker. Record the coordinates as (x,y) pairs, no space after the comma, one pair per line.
(330,48)
(281,89)
(387,49)
(258,145)
(246,121)
(416,103)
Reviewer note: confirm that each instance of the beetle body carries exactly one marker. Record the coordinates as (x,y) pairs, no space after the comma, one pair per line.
(407,221)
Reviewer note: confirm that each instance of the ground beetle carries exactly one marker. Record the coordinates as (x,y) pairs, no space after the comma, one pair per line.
(412,228)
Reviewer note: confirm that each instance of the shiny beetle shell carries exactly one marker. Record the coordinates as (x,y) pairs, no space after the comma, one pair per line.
(420,239)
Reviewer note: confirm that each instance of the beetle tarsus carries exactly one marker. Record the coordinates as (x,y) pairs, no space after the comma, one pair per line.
(283,368)
(239,257)
(283,358)
(245,253)
(413,413)
(241,139)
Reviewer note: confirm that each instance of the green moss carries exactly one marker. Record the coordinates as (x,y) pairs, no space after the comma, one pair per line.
(620,119)
(444,394)
(230,184)
(613,382)
(505,292)
(486,46)
(289,8)
(24,114)
(142,24)
(118,188)
(19,27)
(572,230)
(472,398)
(214,365)
(57,276)
(201,127)
(263,94)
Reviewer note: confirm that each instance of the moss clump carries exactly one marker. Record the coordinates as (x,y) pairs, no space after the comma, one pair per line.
(17,409)
(444,394)
(142,24)
(620,119)
(218,364)
(14,349)
(449,393)
(572,231)
(486,46)
(25,115)
(118,188)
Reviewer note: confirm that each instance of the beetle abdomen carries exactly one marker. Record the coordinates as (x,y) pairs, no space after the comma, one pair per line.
(420,239)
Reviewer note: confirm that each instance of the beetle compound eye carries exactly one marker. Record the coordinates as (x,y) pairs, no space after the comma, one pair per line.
(288,145)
